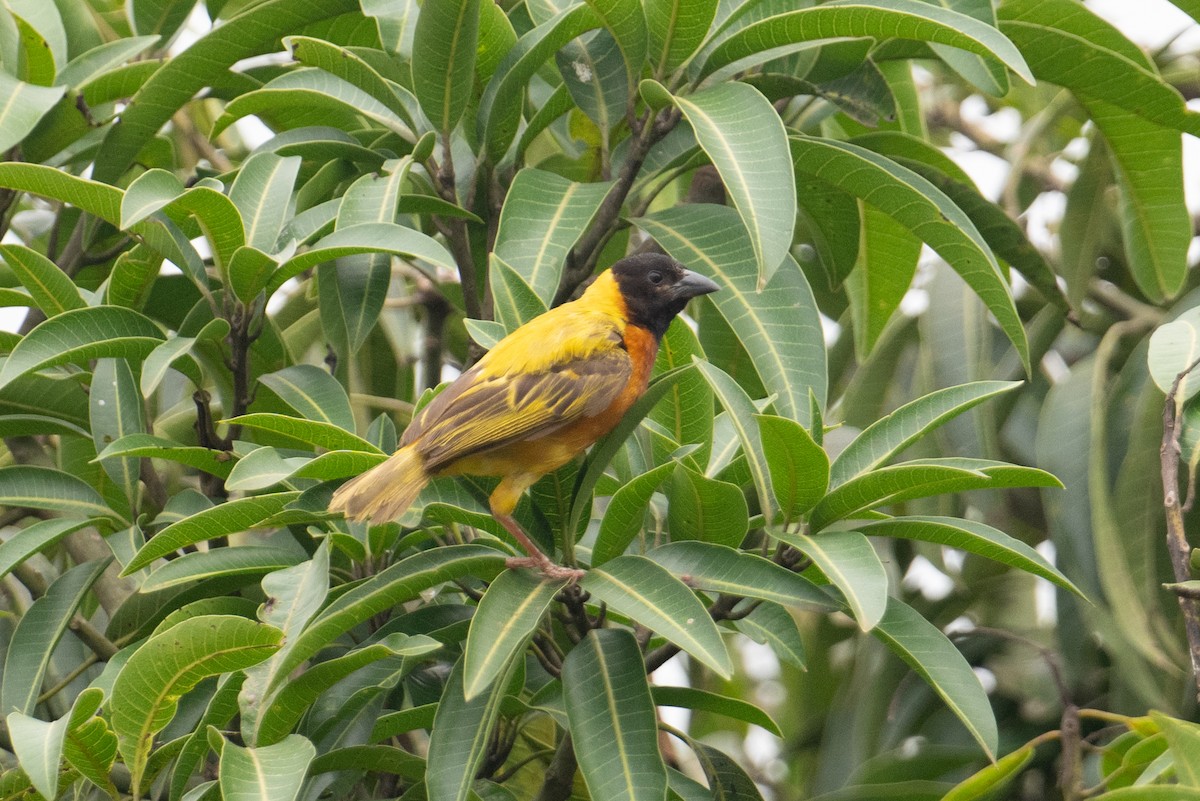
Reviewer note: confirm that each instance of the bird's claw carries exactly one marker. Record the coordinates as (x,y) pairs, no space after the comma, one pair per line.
(547,568)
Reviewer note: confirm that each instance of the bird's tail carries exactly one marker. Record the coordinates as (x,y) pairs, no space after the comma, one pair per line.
(385,491)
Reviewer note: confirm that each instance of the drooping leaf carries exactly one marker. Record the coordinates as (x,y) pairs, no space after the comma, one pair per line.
(935,659)
(743,135)
(779,326)
(48,285)
(924,210)
(166,666)
(648,594)
(851,564)
(890,435)
(268,773)
(228,518)
(461,732)
(717,568)
(25,105)
(544,215)
(882,19)
(37,634)
(443,62)
(972,536)
(611,718)
(507,616)
(81,334)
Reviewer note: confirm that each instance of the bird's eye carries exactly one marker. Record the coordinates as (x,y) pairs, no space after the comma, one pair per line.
(655,277)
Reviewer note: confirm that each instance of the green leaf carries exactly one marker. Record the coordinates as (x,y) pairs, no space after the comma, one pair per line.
(102,58)
(881,19)
(37,634)
(296,594)
(896,483)
(717,568)
(602,452)
(38,746)
(364,238)
(887,262)
(851,564)
(779,326)
(727,781)
(644,592)
(347,65)
(702,700)
(117,410)
(228,518)
(770,624)
(49,286)
(799,467)
(1183,738)
(611,718)
(295,698)
(706,509)
(515,301)
(500,107)
(398,584)
(1074,48)
(544,215)
(744,136)
(242,560)
(969,535)
(47,488)
(313,393)
(218,463)
(24,106)
(202,64)
(173,350)
(993,778)
(163,17)
(742,415)
(890,435)
(90,747)
(443,61)
(626,21)
(625,513)
(935,659)
(923,209)
(81,334)
(268,773)
(322,434)
(1070,43)
(171,663)
(262,193)
(508,614)
(677,28)
(461,733)
(34,539)
(1174,347)
(150,192)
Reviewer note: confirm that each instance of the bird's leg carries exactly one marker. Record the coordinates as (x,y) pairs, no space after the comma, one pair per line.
(536,559)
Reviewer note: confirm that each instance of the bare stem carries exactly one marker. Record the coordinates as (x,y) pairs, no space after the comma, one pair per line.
(1177,543)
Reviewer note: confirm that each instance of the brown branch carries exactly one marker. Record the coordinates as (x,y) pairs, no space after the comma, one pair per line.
(1177,543)
(437,310)
(560,776)
(581,261)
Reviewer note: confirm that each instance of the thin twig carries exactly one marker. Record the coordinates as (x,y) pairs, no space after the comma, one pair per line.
(1177,543)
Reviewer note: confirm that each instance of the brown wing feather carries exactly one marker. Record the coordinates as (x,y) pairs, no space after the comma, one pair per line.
(478,413)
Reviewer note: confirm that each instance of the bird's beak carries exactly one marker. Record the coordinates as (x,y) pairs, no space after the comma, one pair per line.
(693,284)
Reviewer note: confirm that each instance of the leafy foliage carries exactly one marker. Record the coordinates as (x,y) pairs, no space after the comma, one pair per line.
(242,254)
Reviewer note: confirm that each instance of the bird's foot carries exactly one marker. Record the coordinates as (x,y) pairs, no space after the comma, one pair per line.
(546,567)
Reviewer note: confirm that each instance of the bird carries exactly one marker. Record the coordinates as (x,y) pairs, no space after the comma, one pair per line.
(540,397)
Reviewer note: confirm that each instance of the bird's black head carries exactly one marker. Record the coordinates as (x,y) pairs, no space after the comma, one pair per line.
(656,288)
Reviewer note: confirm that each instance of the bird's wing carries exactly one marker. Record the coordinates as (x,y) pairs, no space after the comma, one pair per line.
(486,409)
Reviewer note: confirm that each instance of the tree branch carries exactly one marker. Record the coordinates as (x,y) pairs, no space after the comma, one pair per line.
(1177,543)
(581,261)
